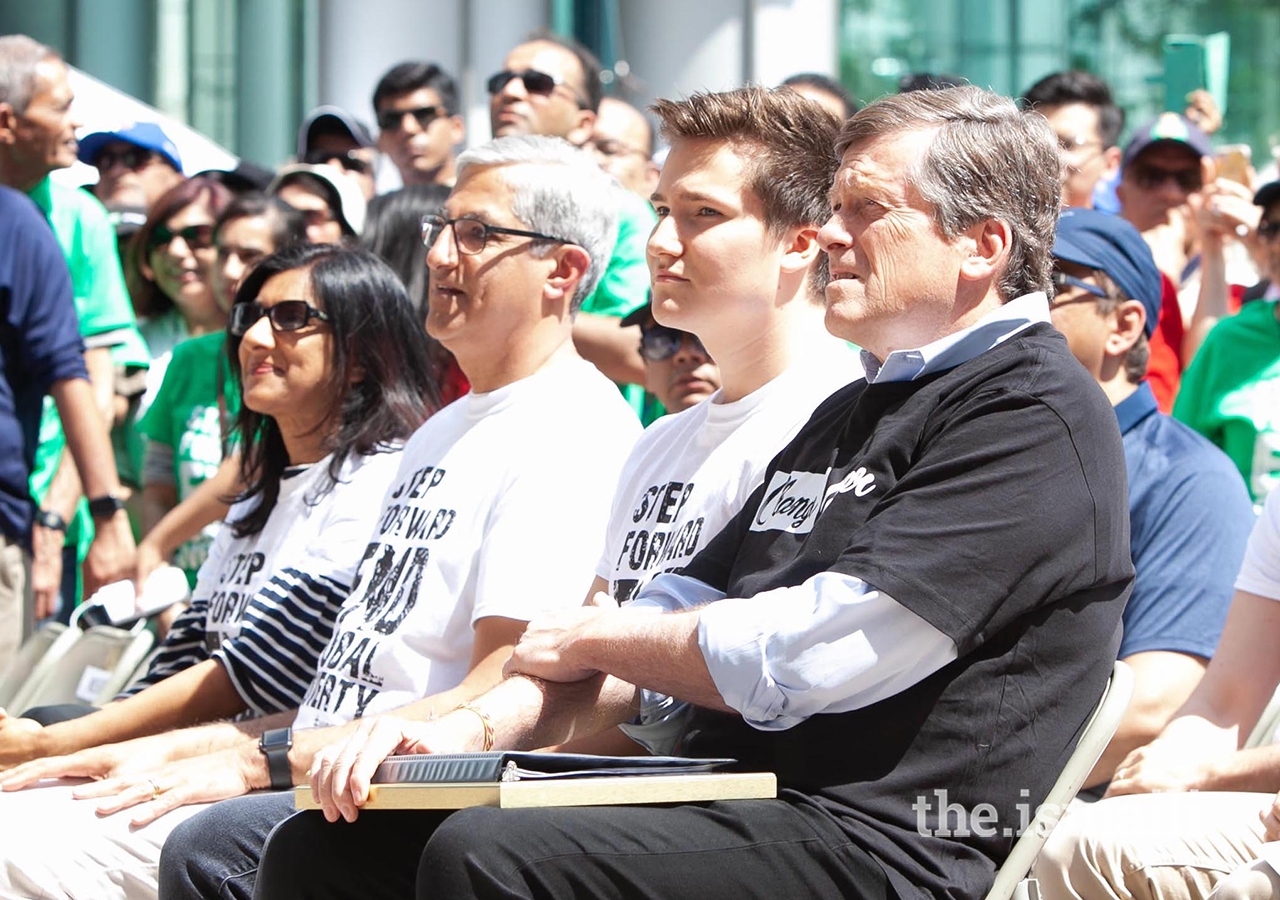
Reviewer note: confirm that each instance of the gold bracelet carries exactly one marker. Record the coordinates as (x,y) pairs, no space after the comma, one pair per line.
(484,720)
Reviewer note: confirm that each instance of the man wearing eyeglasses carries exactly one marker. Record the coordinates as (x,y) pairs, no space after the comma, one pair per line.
(331,136)
(136,164)
(1083,115)
(37,136)
(678,370)
(622,140)
(416,104)
(550,86)
(1189,513)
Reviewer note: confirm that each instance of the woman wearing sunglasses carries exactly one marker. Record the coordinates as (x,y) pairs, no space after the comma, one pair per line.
(188,423)
(332,366)
(169,267)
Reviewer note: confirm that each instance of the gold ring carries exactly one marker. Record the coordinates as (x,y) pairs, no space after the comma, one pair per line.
(155,788)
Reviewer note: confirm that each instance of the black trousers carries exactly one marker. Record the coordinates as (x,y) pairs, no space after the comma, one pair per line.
(753,848)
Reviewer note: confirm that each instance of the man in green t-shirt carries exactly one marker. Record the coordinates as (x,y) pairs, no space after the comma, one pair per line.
(550,86)
(37,136)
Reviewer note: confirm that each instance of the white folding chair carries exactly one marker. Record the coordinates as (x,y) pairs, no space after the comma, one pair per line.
(1011,881)
(93,669)
(20,669)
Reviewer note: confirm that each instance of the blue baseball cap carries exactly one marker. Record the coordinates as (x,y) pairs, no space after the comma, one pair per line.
(1111,245)
(1167,128)
(147,135)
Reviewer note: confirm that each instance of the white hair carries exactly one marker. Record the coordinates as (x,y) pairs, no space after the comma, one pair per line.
(19,56)
(558,190)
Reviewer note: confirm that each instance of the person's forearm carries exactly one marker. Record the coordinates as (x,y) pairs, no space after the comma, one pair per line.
(205,505)
(1214,291)
(194,696)
(87,437)
(102,376)
(659,652)
(612,349)
(528,713)
(158,500)
(65,489)
(1255,770)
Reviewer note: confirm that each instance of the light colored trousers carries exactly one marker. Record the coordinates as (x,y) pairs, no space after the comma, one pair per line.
(54,847)
(1151,846)
(17,610)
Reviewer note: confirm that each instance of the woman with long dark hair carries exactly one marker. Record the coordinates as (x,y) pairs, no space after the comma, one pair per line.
(332,367)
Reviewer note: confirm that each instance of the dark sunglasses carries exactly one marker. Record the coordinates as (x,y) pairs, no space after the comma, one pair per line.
(345,158)
(1150,177)
(287,315)
(196,237)
(1268,230)
(535,82)
(393,119)
(1062,281)
(132,158)
(470,235)
(659,342)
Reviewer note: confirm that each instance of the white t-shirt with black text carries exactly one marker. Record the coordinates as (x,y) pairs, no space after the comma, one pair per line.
(690,472)
(498,510)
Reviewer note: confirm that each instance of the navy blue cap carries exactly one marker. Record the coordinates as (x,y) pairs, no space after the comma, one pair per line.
(147,135)
(1109,244)
(1267,194)
(1167,128)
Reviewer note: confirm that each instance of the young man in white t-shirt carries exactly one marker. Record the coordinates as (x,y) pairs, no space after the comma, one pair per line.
(494,517)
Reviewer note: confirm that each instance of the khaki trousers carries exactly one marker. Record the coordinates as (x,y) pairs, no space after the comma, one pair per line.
(16,607)
(1151,846)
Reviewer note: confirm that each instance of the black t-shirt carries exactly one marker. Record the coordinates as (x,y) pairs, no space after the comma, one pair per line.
(990,500)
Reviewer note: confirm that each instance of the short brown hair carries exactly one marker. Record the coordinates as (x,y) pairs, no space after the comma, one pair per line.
(791,164)
(987,160)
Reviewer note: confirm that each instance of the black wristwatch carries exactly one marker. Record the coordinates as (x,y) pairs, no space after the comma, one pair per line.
(275,745)
(47,518)
(106,506)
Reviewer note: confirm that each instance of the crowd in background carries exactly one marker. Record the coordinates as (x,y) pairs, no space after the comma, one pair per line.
(1166,290)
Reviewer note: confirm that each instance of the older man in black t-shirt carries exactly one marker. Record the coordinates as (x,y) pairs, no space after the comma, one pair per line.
(909,622)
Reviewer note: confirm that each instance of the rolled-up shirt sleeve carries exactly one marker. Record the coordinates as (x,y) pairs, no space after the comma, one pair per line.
(831,644)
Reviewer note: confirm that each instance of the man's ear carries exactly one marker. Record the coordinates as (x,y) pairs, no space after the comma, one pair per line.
(572,263)
(801,250)
(8,124)
(457,130)
(581,132)
(1128,320)
(1111,158)
(989,251)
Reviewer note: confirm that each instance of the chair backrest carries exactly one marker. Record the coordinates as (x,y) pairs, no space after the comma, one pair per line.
(1011,880)
(1267,723)
(92,670)
(25,663)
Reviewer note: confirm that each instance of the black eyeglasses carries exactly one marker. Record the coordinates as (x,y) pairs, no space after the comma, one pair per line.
(1150,177)
(132,158)
(1268,230)
(1062,281)
(393,119)
(535,82)
(658,342)
(287,315)
(197,237)
(470,235)
(345,158)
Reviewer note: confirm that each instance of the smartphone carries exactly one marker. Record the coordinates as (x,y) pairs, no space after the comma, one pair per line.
(1233,162)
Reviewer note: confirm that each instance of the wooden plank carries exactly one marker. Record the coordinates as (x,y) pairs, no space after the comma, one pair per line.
(604,791)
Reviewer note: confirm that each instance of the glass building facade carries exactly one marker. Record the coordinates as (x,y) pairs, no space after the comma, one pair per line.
(244,71)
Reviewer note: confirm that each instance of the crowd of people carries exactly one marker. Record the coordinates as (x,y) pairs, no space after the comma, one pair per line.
(852,443)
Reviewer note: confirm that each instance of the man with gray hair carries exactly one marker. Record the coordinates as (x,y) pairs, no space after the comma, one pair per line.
(494,517)
(910,621)
(37,136)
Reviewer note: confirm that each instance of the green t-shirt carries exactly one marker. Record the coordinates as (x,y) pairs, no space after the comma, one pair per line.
(186,416)
(88,243)
(1231,393)
(624,287)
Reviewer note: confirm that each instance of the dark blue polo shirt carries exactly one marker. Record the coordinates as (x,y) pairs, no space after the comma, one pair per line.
(39,344)
(1189,521)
